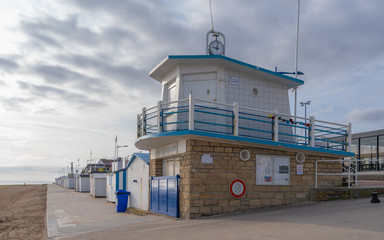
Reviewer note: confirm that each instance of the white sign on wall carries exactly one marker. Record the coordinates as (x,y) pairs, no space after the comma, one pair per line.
(233,80)
(272,170)
(206,158)
(299,170)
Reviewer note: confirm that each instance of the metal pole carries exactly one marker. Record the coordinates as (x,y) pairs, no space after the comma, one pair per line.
(296,57)
(305,127)
(349,173)
(297,39)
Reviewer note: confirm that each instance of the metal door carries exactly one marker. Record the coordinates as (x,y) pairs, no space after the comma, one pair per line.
(165,195)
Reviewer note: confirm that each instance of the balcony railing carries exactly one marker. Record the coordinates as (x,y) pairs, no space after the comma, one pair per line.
(226,119)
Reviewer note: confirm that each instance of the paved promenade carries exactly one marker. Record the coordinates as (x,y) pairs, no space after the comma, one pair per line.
(74,215)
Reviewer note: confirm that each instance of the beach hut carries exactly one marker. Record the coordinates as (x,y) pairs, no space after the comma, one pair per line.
(138,181)
(116,181)
(111,187)
(77,182)
(70,181)
(84,183)
(98,184)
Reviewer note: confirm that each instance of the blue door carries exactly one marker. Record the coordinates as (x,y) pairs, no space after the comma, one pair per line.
(165,195)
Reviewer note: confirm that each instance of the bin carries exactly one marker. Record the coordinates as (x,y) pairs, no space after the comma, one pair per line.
(121,200)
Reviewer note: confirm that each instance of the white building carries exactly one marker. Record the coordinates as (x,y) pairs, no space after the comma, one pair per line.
(138,181)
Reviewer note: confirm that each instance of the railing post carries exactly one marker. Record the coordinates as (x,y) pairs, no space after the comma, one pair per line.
(275,126)
(349,139)
(349,173)
(235,119)
(191,115)
(312,132)
(143,123)
(138,126)
(159,119)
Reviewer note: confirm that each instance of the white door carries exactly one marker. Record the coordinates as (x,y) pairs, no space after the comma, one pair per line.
(201,86)
(170,119)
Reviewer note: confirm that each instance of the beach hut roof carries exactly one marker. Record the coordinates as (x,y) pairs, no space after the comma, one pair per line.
(143,156)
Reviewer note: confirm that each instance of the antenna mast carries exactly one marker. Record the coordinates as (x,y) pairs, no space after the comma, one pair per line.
(210,8)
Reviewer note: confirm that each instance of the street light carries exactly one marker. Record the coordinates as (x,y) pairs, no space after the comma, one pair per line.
(305,115)
(117,150)
(305,107)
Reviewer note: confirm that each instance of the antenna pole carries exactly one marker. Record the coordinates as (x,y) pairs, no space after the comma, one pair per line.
(210,8)
(296,57)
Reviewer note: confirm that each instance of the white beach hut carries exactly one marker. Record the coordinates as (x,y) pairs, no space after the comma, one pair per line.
(111,187)
(84,183)
(98,184)
(138,181)
(116,181)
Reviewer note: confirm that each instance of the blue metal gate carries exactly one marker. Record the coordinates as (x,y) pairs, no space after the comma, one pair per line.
(165,195)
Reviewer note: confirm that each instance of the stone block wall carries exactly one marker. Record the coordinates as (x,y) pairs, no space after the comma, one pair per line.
(204,187)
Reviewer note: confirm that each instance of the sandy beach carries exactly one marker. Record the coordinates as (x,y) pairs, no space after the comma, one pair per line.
(23,211)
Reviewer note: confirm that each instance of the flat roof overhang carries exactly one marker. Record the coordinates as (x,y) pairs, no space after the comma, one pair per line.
(172,61)
(161,139)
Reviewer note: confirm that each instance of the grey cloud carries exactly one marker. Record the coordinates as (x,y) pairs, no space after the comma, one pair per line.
(15,103)
(62,75)
(128,76)
(51,31)
(8,65)
(366,115)
(72,99)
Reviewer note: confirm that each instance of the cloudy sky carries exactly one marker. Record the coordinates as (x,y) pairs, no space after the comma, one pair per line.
(74,73)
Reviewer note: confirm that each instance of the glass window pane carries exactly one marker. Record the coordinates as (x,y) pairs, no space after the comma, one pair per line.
(381,147)
(368,148)
(355,147)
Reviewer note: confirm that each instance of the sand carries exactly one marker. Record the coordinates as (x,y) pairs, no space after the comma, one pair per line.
(23,212)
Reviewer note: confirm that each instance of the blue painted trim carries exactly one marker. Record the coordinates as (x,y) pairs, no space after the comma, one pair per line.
(237,62)
(117,181)
(245,139)
(125,180)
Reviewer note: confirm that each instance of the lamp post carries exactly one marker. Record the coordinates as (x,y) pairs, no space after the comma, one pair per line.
(117,150)
(305,115)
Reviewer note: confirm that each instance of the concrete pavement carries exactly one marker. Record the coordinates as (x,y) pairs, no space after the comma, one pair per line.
(342,219)
(71,213)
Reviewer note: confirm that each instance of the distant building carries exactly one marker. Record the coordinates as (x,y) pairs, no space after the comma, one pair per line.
(369,145)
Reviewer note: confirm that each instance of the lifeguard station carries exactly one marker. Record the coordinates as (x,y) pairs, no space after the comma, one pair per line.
(222,137)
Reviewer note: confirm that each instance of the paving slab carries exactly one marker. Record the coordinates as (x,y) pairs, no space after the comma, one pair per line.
(341,219)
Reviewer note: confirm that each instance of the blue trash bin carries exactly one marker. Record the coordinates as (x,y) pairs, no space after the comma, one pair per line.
(121,200)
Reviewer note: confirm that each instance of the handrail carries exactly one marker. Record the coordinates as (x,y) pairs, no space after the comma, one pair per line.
(352,171)
(242,121)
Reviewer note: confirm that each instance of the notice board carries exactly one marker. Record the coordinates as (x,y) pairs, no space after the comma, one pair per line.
(272,170)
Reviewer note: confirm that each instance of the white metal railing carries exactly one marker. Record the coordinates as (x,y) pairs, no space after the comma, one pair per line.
(350,168)
(209,116)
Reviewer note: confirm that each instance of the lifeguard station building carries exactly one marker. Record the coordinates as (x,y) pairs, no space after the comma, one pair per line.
(223,139)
